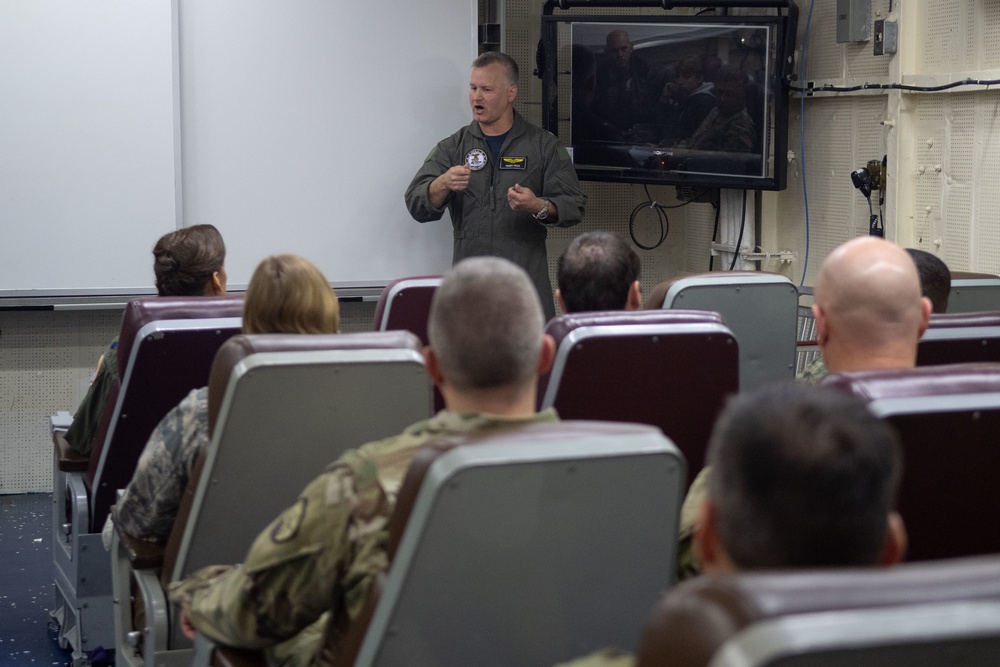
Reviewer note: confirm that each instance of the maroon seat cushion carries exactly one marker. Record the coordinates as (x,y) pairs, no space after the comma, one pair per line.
(166,367)
(676,374)
(948,418)
(405,303)
(955,338)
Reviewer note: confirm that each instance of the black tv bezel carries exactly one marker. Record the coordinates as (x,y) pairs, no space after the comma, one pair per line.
(776,137)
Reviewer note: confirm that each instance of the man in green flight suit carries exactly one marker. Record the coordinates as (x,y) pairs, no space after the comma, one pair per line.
(306,575)
(502,180)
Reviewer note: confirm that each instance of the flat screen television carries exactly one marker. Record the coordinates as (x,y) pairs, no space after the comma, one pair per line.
(664,99)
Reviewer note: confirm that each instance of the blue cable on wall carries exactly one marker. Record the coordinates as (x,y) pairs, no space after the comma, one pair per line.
(802,135)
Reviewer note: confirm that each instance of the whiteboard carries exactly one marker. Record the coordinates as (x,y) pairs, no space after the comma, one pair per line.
(291,125)
(88,126)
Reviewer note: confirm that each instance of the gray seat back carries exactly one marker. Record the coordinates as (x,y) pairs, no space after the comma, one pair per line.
(760,308)
(930,635)
(696,620)
(532,546)
(285,415)
(974,294)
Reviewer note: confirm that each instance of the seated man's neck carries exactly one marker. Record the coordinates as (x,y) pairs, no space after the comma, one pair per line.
(841,360)
(518,402)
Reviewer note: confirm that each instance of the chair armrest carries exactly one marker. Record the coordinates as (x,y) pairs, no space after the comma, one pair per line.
(209,654)
(69,459)
(142,554)
(60,421)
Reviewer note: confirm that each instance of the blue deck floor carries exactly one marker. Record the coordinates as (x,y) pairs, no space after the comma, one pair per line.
(26,592)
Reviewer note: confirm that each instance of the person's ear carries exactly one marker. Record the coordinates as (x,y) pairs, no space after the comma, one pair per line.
(511,94)
(822,334)
(216,285)
(705,541)
(634,299)
(547,356)
(896,541)
(926,308)
(433,366)
(559,300)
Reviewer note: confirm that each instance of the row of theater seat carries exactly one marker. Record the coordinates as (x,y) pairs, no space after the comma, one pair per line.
(699,367)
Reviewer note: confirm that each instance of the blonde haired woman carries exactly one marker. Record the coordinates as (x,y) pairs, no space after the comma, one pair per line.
(286,294)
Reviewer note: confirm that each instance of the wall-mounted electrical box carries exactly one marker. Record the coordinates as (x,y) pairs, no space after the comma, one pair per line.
(854,18)
(886,37)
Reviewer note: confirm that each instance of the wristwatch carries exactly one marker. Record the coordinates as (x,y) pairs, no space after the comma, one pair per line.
(544,213)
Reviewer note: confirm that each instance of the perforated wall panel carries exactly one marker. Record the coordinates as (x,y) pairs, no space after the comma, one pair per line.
(46,360)
(958,206)
(949,36)
(842,134)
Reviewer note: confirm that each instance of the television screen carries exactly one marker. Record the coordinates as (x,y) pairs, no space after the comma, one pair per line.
(687,101)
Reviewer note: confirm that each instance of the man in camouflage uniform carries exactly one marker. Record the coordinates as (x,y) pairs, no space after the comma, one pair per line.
(869,316)
(307,574)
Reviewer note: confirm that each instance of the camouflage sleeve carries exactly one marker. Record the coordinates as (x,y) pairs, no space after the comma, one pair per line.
(301,564)
(687,563)
(149,505)
(814,371)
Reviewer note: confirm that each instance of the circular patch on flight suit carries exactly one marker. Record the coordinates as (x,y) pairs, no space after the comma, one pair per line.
(289,522)
(475,159)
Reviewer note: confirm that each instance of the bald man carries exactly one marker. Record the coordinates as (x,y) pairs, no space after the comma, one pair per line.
(868,308)
(869,316)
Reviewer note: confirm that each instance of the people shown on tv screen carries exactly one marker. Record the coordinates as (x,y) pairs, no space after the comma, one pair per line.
(686,100)
(728,127)
(666,99)
(626,91)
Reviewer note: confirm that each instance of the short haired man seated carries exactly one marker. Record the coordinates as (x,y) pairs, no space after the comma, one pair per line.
(486,350)
(598,272)
(802,477)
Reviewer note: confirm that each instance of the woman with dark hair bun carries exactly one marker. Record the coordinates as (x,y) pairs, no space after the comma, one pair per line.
(190,262)
(186,262)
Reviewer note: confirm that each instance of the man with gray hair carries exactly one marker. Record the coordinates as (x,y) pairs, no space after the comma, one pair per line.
(487,347)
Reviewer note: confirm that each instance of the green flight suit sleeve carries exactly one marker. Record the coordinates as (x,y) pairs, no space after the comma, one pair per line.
(417,196)
(561,185)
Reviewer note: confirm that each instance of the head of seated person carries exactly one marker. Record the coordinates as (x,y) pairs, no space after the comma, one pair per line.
(288,294)
(935,278)
(868,307)
(801,477)
(599,271)
(486,341)
(190,262)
